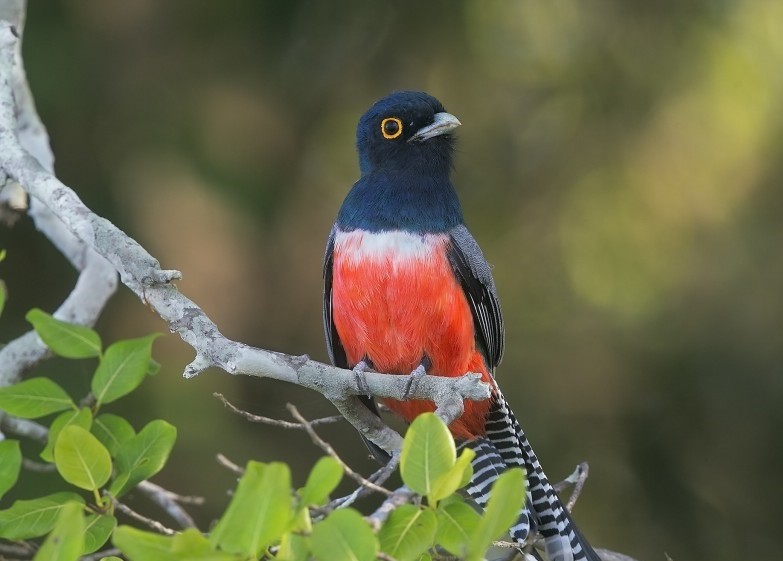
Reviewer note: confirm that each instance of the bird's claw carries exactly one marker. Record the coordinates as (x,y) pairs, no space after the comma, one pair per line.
(413,377)
(361,381)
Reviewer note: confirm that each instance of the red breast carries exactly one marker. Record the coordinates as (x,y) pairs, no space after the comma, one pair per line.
(396,300)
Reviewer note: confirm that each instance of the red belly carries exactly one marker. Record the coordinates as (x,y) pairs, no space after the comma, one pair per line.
(395,307)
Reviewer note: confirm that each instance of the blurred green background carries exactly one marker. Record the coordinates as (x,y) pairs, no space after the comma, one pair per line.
(619,162)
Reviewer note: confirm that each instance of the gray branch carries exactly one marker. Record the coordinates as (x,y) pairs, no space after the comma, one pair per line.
(23,132)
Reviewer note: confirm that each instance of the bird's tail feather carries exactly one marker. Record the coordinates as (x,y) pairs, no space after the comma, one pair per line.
(487,467)
(380,455)
(563,540)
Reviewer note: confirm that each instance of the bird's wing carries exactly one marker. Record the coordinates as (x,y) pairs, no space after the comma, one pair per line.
(333,344)
(475,277)
(335,347)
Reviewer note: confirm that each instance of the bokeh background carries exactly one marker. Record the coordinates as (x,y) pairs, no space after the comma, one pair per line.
(620,164)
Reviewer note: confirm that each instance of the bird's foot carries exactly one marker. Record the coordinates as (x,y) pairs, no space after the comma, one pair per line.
(414,377)
(358,372)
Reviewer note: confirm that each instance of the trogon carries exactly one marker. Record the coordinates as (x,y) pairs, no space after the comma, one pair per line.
(407,291)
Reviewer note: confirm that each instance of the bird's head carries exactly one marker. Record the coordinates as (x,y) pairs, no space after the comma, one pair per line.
(407,131)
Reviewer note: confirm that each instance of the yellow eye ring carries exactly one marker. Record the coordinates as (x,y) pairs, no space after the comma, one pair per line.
(391,128)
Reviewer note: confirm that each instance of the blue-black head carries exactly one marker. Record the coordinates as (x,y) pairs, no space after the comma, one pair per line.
(405,154)
(406,130)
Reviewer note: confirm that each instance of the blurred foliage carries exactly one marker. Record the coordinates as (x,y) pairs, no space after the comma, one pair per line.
(619,163)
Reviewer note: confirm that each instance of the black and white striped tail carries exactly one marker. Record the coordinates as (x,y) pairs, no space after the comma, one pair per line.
(506,445)
(487,467)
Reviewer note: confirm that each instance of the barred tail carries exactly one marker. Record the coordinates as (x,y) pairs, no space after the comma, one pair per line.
(487,467)
(506,445)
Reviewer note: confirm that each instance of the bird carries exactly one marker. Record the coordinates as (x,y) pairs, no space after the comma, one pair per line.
(407,291)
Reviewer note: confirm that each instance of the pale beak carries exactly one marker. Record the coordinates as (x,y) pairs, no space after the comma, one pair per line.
(442,124)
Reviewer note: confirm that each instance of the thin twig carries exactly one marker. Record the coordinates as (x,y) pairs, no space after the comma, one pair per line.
(506,544)
(231,466)
(379,478)
(577,478)
(98,555)
(22,549)
(582,471)
(39,467)
(275,422)
(326,447)
(181,499)
(399,497)
(169,502)
(24,427)
(154,524)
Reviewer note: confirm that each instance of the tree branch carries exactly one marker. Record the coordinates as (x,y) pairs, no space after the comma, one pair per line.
(326,447)
(276,422)
(22,126)
(154,524)
(399,497)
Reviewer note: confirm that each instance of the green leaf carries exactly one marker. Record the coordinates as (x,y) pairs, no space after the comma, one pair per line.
(190,542)
(323,479)
(33,518)
(63,338)
(408,532)
(97,531)
(456,523)
(505,501)
(344,536)
(66,541)
(193,546)
(456,477)
(34,398)
(153,367)
(143,456)
(81,418)
(3,295)
(428,452)
(113,431)
(10,464)
(293,547)
(301,523)
(81,459)
(139,545)
(259,512)
(122,368)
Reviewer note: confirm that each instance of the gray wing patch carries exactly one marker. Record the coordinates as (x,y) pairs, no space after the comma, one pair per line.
(473,272)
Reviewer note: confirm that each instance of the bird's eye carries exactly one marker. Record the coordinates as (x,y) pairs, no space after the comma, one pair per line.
(391,127)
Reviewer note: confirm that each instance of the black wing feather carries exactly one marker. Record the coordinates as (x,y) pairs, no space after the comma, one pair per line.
(473,272)
(333,344)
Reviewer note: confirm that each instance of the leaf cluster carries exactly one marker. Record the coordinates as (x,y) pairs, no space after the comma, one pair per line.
(92,451)
(267,518)
(100,457)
